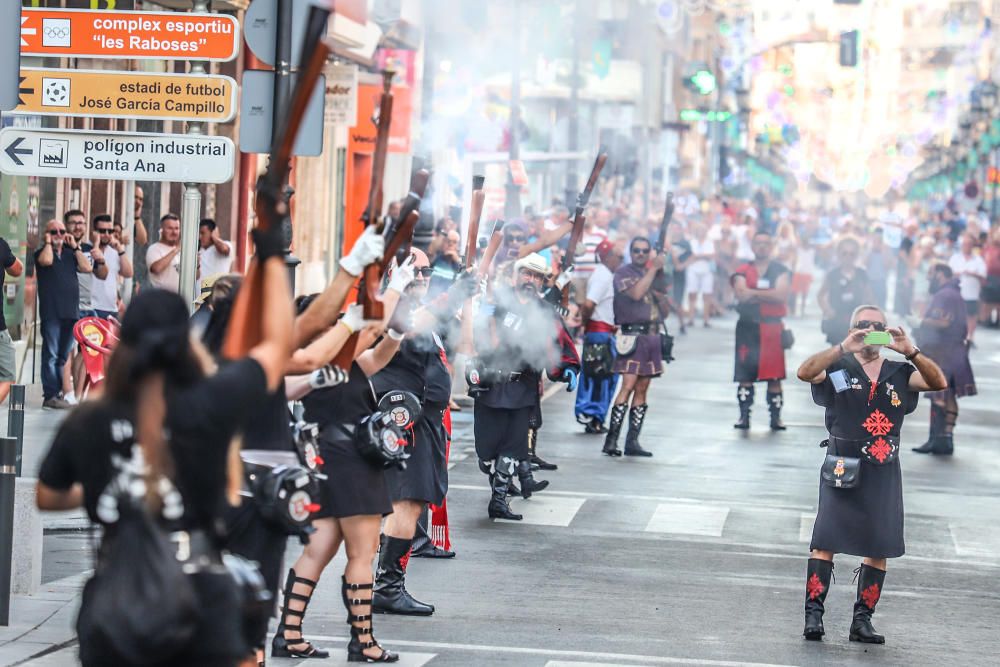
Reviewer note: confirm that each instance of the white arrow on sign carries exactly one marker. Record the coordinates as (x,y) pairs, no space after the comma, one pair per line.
(26,31)
(123,157)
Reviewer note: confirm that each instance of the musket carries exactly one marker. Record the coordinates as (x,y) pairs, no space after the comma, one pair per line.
(475,213)
(579,219)
(496,238)
(244,330)
(660,283)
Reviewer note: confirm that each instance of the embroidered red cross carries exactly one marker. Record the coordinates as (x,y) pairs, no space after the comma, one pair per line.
(871,595)
(814,587)
(877,423)
(880,449)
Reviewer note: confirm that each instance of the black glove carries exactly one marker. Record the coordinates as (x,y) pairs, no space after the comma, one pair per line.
(270,243)
(465,287)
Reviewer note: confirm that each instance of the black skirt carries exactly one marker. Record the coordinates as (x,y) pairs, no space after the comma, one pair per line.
(867,520)
(353,485)
(426,475)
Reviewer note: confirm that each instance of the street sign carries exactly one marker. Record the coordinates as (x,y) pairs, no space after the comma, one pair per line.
(257,112)
(260,28)
(105,94)
(341,94)
(131,35)
(183,158)
(10,19)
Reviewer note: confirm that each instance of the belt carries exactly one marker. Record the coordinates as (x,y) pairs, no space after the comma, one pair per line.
(878,450)
(639,328)
(595,326)
(195,551)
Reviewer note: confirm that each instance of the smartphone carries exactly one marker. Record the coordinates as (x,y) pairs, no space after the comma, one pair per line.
(878,338)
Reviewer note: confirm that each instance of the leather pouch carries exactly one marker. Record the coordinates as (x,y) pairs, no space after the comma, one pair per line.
(841,472)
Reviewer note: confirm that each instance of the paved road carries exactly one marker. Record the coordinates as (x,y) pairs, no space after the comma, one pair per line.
(697,556)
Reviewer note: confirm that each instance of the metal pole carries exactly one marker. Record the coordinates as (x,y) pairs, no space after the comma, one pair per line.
(282,99)
(191,206)
(512,202)
(15,420)
(8,470)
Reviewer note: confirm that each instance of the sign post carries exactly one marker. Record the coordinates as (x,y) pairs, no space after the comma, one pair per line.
(116,156)
(105,94)
(10,55)
(129,35)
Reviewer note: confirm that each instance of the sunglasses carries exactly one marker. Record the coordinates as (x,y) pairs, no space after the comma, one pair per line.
(424,271)
(57,232)
(103,231)
(868,324)
(515,239)
(640,251)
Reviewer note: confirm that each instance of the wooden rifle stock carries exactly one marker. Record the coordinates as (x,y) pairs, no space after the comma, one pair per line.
(496,238)
(475,213)
(244,328)
(660,283)
(580,219)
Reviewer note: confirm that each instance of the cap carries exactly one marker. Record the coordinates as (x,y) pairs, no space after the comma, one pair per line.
(534,263)
(206,288)
(602,249)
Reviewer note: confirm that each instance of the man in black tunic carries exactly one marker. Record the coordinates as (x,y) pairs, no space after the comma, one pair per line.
(516,338)
(866,398)
(419,368)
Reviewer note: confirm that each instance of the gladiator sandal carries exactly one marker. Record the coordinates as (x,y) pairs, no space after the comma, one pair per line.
(537,461)
(390,595)
(635,418)
(818,575)
(870,582)
(936,430)
(283,646)
(776,399)
(614,428)
(744,395)
(528,483)
(361,626)
(498,507)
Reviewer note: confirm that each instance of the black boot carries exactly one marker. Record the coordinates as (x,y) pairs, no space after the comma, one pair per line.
(745,396)
(502,472)
(528,483)
(635,418)
(935,432)
(533,457)
(818,575)
(614,428)
(775,399)
(423,547)
(283,646)
(870,582)
(390,595)
(361,626)
(595,426)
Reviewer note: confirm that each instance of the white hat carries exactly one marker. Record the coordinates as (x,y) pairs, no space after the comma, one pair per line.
(534,263)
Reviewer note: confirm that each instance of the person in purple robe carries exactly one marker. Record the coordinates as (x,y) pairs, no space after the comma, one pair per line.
(943,333)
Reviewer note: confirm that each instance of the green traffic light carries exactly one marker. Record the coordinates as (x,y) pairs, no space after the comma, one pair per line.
(703,81)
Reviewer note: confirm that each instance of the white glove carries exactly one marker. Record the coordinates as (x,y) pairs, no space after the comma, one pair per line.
(354,317)
(368,248)
(328,376)
(402,276)
(564,277)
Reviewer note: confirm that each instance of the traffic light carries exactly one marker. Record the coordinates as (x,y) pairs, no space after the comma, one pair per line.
(849,48)
(702,81)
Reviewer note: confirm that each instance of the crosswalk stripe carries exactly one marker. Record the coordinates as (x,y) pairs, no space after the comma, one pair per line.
(685,519)
(547,510)
(806,526)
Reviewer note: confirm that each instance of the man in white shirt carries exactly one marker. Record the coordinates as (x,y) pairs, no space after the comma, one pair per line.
(215,256)
(110,251)
(164,257)
(970,268)
(597,383)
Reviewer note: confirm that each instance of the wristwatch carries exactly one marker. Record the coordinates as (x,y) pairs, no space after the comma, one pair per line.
(121,252)
(913,355)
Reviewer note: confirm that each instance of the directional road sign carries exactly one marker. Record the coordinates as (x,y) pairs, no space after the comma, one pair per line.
(10,17)
(257,112)
(183,158)
(260,28)
(104,94)
(133,35)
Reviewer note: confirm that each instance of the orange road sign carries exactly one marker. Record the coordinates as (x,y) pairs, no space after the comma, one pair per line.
(134,35)
(105,94)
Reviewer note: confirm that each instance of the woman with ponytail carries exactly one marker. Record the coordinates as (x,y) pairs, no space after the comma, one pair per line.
(156,450)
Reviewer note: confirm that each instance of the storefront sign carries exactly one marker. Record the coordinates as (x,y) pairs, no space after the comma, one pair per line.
(341,94)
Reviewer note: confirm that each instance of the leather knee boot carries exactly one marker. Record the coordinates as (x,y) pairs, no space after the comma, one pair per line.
(498,508)
(935,432)
(870,581)
(635,418)
(745,397)
(390,595)
(528,483)
(614,428)
(818,575)
(775,400)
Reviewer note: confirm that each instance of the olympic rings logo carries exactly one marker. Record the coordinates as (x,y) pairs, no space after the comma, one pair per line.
(56,32)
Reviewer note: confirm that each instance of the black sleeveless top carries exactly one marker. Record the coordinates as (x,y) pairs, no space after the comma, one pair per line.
(345,404)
